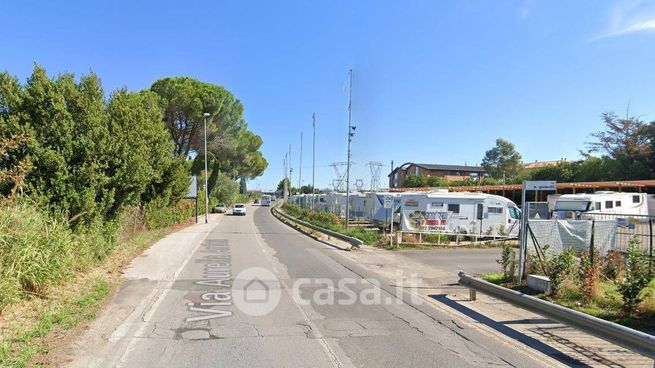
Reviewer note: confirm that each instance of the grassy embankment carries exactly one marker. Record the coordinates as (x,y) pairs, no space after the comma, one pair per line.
(53,279)
(332,222)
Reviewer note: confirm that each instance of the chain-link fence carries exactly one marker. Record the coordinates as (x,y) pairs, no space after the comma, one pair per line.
(604,232)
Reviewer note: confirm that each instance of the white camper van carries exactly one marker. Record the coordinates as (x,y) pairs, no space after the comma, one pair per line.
(460,212)
(266,200)
(602,203)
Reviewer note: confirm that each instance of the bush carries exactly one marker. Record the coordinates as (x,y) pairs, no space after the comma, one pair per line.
(159,214)
(636,278)
(436,238)
(560,267)
(588,276)
(508,261)
(35,250)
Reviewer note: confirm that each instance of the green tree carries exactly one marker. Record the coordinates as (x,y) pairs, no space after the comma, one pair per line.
(226,190)
(502,160)
(628,141)
(185,100)
(90,157)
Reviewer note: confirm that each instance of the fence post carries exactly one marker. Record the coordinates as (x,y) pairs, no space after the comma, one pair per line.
(591,243)
(650,252)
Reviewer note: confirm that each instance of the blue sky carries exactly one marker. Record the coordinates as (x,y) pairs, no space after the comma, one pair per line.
(434,81)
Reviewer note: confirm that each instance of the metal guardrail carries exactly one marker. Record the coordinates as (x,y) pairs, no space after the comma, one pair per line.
(353,241)
(626,337)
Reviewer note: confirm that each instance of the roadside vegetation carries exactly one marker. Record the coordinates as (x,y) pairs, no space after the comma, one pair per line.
(617,287)
(332,222)
(88,180)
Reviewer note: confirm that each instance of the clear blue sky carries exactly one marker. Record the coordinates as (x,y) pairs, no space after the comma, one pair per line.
(434,81)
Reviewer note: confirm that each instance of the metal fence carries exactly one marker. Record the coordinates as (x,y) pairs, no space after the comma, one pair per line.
(585,232)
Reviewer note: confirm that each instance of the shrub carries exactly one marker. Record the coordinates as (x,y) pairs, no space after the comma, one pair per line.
(508,261)
(612,265)
(560,267)
(436,238)
(636,278)
(588,276)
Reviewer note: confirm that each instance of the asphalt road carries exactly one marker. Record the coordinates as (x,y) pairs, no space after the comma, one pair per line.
(470,260)
(252,292)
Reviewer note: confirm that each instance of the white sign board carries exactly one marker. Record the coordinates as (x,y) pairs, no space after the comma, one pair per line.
(388,201)
(193,188)
(540,185)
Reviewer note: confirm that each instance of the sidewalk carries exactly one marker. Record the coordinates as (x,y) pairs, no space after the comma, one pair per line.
(536,334)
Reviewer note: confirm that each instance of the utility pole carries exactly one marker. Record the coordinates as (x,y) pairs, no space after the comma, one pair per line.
(313,158)
(351,133)
(205,115)
(285,186)
(290,170)
(300,165)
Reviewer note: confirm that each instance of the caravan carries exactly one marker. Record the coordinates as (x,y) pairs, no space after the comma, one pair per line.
(358,207)
(603,203)
(376,213)
(465,213)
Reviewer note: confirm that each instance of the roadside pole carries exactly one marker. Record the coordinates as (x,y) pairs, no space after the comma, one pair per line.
(205,115)
(388,204)
(313,159)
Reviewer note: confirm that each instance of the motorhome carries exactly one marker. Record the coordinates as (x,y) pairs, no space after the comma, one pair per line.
(358,207)
(266,200)
(602,203)
(460,212)
(377,214)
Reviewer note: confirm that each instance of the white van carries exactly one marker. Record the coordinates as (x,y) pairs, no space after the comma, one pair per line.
(460,212)
(266,200)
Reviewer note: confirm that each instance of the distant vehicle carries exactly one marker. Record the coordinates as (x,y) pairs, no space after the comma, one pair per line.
(266,200)
(256,201)
(602,203)
(239,209)
(463,212)
(273,198)
(219,208)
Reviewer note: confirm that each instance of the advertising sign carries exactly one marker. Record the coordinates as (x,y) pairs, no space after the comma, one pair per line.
(193,188)
(426,221)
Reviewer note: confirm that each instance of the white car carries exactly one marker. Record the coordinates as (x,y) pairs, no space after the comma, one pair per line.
(239,209)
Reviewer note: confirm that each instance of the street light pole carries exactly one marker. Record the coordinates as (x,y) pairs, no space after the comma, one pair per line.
(300,165)
(313,158)
(205,115)
(351,133)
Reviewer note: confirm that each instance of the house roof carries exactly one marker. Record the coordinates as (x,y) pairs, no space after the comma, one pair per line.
(404,166)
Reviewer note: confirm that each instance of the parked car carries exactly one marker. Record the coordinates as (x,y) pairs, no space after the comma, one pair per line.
(256,200)
(219,208)
(239,209)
